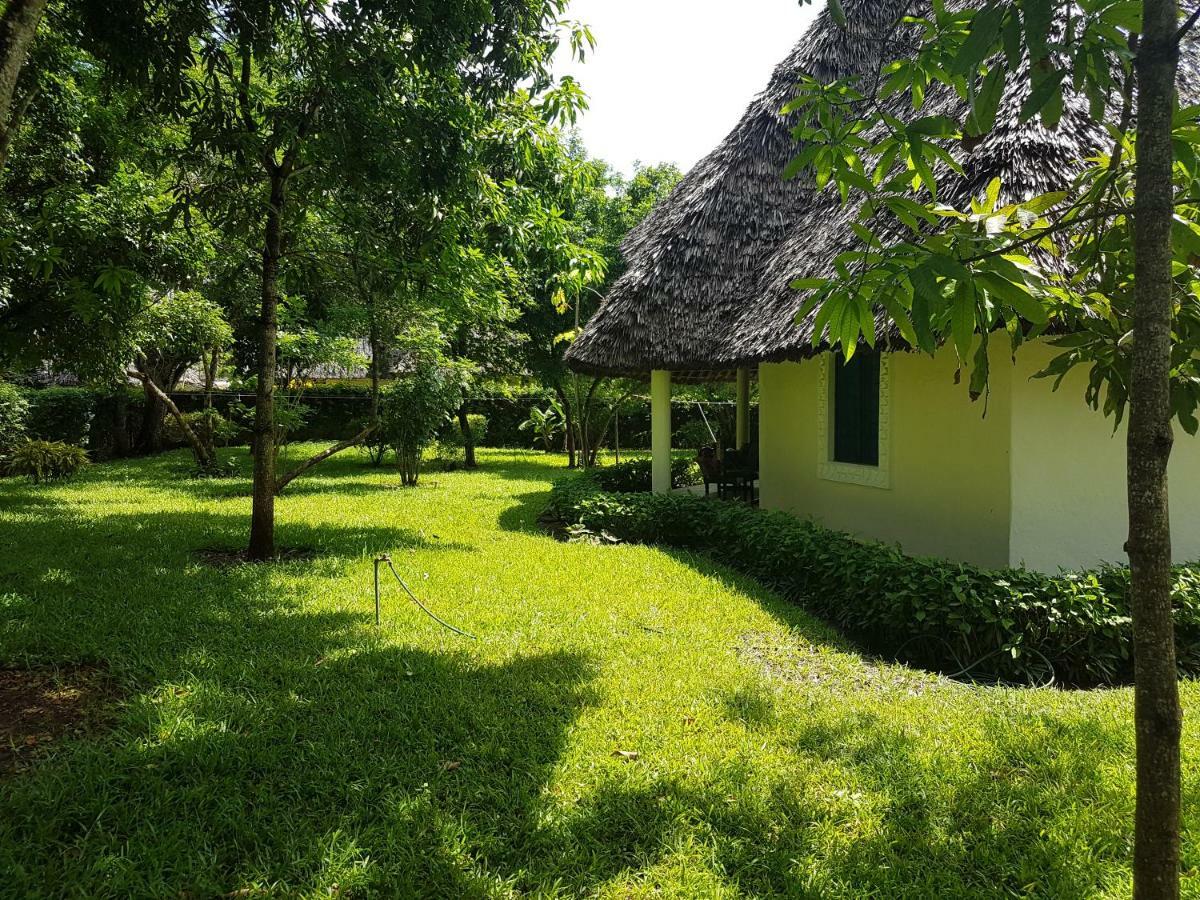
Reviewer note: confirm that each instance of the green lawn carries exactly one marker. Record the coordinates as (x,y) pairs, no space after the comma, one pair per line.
(270,738)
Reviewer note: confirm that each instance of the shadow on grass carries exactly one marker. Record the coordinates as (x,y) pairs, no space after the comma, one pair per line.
(390,770)
(884,818)
(523,516)
(128,585)
(265,744)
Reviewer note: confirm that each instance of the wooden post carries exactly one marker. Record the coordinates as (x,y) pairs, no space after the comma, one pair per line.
(660,430)
(743,408)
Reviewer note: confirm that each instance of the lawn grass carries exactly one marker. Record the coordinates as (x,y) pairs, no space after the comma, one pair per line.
(270,738)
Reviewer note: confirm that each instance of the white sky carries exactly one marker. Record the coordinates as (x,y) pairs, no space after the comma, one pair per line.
(670,78)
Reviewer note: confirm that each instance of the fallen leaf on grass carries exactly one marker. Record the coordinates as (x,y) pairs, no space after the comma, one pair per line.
(628,755)
(450,765)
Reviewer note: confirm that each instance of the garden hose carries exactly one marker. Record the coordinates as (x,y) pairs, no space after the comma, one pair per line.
(425,609)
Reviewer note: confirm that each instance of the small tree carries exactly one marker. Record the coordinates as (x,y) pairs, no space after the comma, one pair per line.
(173,333)
(410,412)
(1110,259)
(546,424)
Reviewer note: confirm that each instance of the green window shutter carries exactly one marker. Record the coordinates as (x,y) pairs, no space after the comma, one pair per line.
(856,409)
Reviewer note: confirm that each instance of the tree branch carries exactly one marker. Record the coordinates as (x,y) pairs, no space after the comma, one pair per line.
(319,458)
(203,459)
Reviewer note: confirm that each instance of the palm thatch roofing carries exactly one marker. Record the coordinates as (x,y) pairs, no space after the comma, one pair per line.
(707,287)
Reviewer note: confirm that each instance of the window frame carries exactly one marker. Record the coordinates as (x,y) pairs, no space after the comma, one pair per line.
(829,469)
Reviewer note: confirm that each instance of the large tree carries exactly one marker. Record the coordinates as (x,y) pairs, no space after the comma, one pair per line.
(1127,228)
(291,100)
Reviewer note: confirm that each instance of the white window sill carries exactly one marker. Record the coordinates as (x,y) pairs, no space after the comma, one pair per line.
(848,473)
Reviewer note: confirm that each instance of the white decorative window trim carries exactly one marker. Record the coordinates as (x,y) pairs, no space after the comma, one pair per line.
(870,476)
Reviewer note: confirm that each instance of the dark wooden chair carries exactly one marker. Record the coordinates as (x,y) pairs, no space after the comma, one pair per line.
(740,471)
(710,468)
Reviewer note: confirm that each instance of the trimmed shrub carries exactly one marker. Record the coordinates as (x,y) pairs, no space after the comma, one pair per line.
(14,415)
(45,460)
(62,414)
(1011,625)
(636,475)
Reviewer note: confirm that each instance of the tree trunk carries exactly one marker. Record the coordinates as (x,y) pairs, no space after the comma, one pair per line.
(569,421)
(376,363)
(203,454)
(319,458)
(468,438)
(150,433)
(120,422)
(262,520)
(18,26)
(1157,715)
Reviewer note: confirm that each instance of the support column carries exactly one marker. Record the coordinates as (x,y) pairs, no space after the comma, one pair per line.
(660,430)
(743,408)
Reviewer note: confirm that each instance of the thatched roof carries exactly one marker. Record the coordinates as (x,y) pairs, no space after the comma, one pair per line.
(707,286)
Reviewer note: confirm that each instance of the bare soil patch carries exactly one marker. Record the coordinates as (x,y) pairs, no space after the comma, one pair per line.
(40,706)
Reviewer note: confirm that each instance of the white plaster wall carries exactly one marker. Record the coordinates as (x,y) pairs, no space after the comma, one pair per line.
(1068,476)
(949,487)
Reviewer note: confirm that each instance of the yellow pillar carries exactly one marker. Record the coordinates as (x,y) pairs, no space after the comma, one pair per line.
(743,408)
(660,430)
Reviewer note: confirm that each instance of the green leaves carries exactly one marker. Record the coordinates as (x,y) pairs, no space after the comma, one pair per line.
(986,102)
(838,12)
(981,40)
(954,274)
(1045,99)
(1038,16)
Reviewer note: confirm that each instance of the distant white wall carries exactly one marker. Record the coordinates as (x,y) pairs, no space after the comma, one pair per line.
(1068,476)
(947,490)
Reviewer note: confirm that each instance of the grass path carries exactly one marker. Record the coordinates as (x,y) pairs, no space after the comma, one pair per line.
(271,739)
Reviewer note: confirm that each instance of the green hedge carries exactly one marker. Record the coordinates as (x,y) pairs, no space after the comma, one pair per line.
(1010,625)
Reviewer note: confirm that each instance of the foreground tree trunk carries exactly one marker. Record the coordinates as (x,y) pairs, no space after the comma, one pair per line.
(18,26)
(262,517)
(1157,714)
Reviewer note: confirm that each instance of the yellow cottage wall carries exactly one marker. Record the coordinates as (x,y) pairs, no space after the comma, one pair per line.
(949,464)
(1039,481)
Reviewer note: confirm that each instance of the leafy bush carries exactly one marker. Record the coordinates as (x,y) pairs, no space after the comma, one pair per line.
(637,474)
(411,410)
(1011,625)
(212,428)
(14,416)
(545,424)
(45,460)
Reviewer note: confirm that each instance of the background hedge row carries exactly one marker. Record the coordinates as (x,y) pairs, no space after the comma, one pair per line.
(1010,625)
(87,416)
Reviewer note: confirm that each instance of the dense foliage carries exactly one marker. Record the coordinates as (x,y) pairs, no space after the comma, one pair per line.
(635,475)
(1012,625)
(14,416)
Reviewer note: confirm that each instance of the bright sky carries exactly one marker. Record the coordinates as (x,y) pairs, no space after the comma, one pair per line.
(670,78)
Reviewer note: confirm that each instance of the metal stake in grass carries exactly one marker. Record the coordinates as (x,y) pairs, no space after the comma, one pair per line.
(425,609)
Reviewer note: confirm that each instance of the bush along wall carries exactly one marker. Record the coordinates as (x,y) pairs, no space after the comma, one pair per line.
(1012,625)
